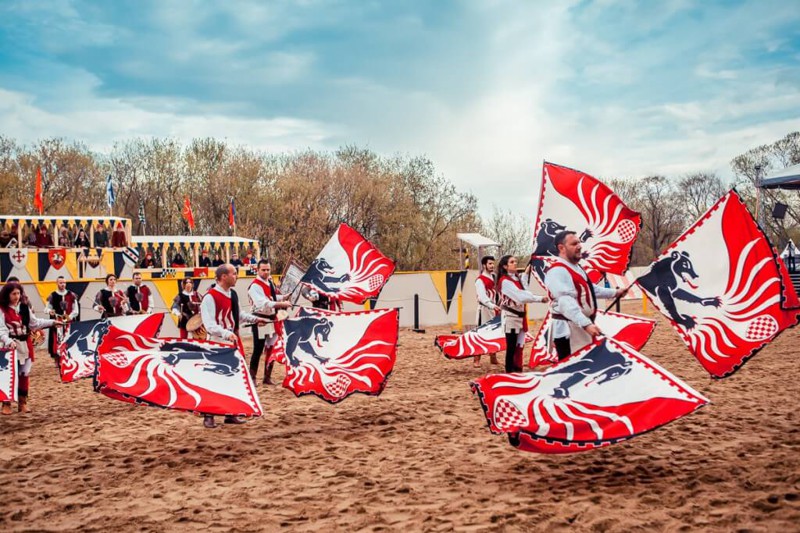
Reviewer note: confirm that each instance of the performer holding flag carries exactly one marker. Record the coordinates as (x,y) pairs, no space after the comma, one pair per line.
(221,316)
(266,300)
(513,297)
(573,297)
(63,304)
(487,299)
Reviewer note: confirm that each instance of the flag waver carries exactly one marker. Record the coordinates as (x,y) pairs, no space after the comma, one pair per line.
(574,201)
(333,355)
(601,395)
(349,268)
(721,287)
(183,374)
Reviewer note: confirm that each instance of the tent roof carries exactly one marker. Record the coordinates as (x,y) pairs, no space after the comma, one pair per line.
(477,240)
(189,239)
(788,178)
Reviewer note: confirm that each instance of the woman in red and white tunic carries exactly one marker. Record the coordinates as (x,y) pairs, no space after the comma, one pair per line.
(17,320)
(514,295)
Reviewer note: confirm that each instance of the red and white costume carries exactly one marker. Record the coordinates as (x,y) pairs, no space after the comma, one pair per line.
(263,296)
(487,298)
(140,299)
(16,323)
(573,302)
(220,318)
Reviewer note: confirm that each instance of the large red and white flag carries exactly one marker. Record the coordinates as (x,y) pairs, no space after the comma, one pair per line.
(184,374)
(333,355)
(349,268)
(77,352)
(601,395)
(633,330)
(720,285)
(487,338)
(8,375)
(574,201)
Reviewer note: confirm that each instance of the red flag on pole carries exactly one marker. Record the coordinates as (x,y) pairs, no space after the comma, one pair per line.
(38,200)
(187,212)
(232,216)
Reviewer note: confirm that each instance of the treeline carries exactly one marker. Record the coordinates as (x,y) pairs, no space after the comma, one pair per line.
(291,203)
(669,205)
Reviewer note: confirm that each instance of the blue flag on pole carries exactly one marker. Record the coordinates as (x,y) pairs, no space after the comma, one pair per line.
(111,199)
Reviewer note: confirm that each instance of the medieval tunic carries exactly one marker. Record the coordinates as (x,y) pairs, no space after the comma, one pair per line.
(139,299)
(61,304)
(16,323)
(514,295)
(185,306)
(573,302)
(263,297)
(110,303)
(221,315)
(487,298)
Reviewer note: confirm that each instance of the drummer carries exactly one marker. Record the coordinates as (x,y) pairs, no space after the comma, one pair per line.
(266,300)
(186,305)
(221,315)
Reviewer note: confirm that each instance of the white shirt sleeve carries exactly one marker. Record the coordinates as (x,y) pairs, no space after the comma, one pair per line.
(208,310)
(39,323)
(565,298)
(600,291)
(483,296)
(76,309)
(261,303)
(5,339)
(520,296)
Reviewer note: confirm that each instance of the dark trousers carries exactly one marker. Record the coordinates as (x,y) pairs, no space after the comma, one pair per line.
(258,349)
(562,348)
(512,358)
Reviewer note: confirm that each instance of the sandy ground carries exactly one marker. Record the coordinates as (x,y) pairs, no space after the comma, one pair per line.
(419,457)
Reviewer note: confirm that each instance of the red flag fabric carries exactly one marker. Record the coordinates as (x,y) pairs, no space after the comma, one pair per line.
(232,215)
(8,375)
(187,212)
(721,287)
(183,374)
(487,338)
(333,355)
(38,195)
(601,395)
(574,201)
(633,330)
(77,352)
(349,268)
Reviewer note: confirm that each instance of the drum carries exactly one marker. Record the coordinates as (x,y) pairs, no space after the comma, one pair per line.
(196,328)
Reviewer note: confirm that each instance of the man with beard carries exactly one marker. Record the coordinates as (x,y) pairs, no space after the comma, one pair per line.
(62,304)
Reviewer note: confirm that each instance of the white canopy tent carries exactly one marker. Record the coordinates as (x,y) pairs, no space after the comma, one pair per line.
(477,241)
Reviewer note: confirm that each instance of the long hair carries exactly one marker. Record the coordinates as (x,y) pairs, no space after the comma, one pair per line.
(5,293)
(502,270)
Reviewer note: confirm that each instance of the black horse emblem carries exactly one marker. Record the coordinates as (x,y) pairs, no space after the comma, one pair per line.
(220,361)
(600,364)
(319,275)
(663,279)
(4,359)
(546,243)
(85,337)
(302,332)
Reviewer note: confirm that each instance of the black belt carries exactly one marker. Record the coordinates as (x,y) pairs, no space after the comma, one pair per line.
(559,316)
(20,337)
(520,314)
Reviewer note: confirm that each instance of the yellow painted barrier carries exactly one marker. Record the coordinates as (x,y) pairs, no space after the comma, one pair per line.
(460,325)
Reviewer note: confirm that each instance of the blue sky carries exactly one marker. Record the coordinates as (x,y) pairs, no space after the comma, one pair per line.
(486,89)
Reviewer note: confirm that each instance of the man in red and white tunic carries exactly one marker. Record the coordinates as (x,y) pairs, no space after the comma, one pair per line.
(63,304)
(573,298)
(139,297)
(266,300)
(487,299)
(221,318)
